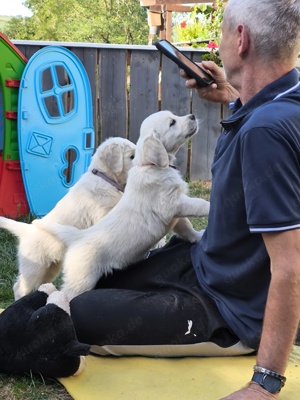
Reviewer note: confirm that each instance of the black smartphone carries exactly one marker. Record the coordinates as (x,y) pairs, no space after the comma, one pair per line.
(193,70)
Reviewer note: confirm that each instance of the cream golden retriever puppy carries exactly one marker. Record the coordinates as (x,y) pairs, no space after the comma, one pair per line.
(40,253)
(155,201)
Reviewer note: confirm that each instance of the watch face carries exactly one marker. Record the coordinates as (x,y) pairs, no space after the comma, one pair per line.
(271,384)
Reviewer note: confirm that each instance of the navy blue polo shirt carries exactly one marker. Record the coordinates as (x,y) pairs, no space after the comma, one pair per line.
(255,189)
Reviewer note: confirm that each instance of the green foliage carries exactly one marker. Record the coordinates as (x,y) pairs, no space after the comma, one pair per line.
(202,28)
(3,22)
(93,21)
(19,28)
(202,24)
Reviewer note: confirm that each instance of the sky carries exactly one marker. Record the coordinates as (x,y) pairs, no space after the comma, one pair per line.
(13,8)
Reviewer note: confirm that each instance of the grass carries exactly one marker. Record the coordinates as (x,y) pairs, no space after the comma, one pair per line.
(200,189)
(35,387)
(31,388)
(8,267)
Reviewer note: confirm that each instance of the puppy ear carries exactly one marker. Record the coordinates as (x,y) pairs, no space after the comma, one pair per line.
(154,152)
(113,158)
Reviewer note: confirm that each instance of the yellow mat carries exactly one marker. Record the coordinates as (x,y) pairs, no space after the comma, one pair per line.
(141,378)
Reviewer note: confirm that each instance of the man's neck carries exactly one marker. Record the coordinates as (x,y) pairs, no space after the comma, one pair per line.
(254,78)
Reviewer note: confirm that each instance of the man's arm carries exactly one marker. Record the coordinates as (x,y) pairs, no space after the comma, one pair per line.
(283,306)
(282,313)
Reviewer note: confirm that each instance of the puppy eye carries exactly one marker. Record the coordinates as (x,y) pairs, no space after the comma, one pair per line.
(132,157)
(173,122)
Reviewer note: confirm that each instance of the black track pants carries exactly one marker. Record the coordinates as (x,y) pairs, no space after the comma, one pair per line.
(157,301)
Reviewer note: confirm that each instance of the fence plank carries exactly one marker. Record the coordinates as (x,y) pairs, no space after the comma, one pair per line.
(204,143)
(88,57)
(28,50)
(113,93)
(144,72)
(174,95)
(176,98)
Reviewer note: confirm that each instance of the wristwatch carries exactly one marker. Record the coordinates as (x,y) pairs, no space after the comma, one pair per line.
(269,380)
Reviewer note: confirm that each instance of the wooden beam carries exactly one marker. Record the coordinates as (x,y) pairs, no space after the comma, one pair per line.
(155,8)
(146,3)
(178,8)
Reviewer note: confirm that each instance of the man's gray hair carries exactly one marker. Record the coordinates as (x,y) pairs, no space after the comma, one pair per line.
(274,25)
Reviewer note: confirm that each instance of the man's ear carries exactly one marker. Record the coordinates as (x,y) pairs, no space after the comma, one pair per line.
(154,152)
(244,40)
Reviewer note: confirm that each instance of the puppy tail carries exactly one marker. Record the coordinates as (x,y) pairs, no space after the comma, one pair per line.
(66,233)
(17,228)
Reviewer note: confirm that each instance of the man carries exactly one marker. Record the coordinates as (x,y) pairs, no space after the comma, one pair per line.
(245,271)
(258,193)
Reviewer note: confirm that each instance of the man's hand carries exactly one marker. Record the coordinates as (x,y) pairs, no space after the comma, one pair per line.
(252,392)
(220,91)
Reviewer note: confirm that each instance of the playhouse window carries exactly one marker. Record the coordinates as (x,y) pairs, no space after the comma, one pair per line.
(52,106)
(57,91)
(47,83)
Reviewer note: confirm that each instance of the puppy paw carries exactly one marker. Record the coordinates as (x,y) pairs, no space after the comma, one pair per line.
(59,299)
(194,236)
(197,237)
(205,208)
(47,288)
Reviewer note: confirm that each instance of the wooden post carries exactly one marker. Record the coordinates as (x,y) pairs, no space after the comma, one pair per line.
(168,25)
(155,22)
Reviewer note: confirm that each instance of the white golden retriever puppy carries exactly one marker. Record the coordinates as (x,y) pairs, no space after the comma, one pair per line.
(154,202)
(40,253)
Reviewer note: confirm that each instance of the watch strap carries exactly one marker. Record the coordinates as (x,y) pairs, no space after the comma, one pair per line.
(267,382)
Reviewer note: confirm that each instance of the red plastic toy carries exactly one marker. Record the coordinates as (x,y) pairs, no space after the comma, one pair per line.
(13,201)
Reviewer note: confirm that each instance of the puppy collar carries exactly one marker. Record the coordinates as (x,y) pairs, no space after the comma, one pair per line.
(107,179)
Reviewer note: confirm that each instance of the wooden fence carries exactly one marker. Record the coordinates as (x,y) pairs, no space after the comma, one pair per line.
(129,83)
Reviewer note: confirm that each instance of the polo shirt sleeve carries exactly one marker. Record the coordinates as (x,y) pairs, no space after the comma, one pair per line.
(271,179)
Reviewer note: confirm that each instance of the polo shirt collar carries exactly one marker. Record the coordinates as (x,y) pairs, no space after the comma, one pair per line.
(268,93)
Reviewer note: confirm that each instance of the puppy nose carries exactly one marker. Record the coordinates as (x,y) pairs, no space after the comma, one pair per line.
(192,116)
